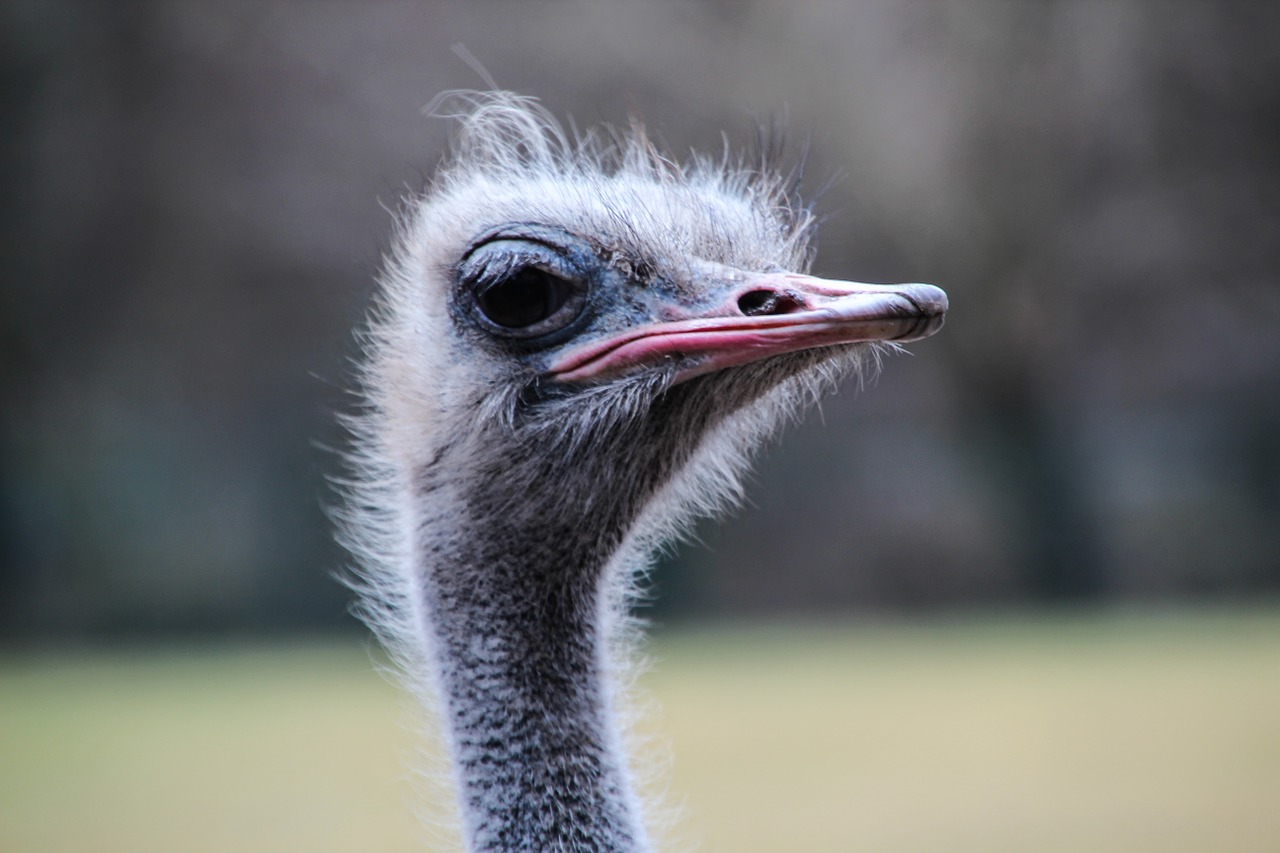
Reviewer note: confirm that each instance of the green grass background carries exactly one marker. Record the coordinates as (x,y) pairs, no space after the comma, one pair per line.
(1114,732)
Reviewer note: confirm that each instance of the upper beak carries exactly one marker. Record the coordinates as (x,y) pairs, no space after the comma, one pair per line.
(762,316)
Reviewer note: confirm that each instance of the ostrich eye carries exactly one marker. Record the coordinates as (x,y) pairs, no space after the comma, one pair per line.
(523,289)
(525,299)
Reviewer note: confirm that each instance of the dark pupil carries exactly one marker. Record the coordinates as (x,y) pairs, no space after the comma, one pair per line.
(528,297)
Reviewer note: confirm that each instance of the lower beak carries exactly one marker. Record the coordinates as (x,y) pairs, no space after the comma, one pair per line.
(763,316)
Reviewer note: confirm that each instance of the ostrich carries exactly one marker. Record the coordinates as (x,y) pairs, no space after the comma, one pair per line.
(576,346)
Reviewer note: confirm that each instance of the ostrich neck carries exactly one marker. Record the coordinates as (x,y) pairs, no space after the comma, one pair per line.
(527,708)
(518,601)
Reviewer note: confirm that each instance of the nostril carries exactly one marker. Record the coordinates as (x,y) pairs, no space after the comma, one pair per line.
(760,303)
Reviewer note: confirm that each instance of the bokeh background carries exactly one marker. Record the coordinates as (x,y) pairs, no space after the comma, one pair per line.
(197,194)
(196,207)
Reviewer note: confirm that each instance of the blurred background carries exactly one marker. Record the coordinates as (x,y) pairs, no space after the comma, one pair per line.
(197,195)
(196,203)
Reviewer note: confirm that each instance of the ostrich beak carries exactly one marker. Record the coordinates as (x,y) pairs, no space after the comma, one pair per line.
(762,316)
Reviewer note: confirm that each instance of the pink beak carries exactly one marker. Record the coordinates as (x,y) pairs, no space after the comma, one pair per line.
(765,315)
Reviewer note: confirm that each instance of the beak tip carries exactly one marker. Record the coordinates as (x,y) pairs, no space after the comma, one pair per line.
(929,300)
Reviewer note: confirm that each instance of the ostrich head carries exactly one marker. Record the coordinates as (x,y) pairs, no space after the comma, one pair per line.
(577,345)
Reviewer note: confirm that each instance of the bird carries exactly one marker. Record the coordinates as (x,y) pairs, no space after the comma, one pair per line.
(577,345)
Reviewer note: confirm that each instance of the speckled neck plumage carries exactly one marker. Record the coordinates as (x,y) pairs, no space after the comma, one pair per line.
(519,600)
